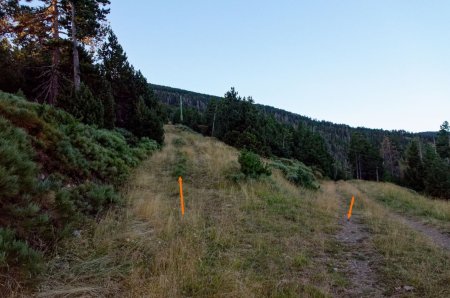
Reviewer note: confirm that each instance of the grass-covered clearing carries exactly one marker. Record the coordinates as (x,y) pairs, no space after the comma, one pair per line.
(247,239)
(240,237)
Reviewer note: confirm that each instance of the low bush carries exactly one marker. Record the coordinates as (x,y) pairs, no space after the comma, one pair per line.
(87,198)
(55,172)
(179,142)
(180,165)
(17,170)
(297,172)
(305,177)
(252,166)
(17,252)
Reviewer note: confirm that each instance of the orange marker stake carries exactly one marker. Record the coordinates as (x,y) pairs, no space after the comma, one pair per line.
(180,181)
(349,214)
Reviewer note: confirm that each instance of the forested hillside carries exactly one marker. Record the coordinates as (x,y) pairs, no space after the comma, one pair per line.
(336,150)
(336,136)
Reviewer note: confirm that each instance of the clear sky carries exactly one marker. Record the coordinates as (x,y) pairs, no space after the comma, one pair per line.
(373,63)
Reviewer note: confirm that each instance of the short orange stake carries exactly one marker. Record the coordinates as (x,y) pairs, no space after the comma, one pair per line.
(180,181)
(349,214)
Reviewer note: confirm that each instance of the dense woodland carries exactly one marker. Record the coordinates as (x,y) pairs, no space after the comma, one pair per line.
(63,53)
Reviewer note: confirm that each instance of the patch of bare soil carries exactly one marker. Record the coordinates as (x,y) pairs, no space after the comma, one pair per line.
(359,257)
(436,236)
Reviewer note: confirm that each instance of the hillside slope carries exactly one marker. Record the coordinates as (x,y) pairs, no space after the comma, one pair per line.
(336,136)
(56,174)
(251,238)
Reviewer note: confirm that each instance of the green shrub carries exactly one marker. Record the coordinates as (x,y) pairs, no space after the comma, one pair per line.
(305,177)
(180,165)
(54,173)
(53,116)
(88,198)
(128,135)
(248,141)
(251,165)
(65,205)
(17,170)
(179,142)
(144,147)
(102,154)
(16,252)
(84,106)
(297,172)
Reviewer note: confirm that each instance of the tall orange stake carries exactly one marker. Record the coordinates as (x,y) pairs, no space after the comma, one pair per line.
(180,181)
(349,214)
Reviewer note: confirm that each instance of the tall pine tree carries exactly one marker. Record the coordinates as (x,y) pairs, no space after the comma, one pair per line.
(443,141)
(414,173)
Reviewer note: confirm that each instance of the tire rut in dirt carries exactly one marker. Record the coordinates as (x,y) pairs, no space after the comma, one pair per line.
(359,257)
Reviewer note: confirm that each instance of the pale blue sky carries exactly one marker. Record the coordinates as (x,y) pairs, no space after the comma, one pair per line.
(373,63)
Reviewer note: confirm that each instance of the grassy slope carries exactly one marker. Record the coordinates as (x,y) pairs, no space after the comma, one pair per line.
(250,239)
(408,202)
(265,238)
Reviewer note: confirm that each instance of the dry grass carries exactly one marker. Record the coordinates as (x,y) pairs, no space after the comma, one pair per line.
(408,257)
(255,238)
(240,240)
(408,202)
(247,239)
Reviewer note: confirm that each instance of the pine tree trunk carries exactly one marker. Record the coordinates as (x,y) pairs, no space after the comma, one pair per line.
(214,121)
(56,55)
(420,151)
(76,58)
(360,171)
(181,109)
(378,180)
(357,168)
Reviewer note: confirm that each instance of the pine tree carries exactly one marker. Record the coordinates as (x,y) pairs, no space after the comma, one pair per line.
(414,167)
(391,159)
(43,22)
(147,123)
(84,106)
(309,148)
(118,72)
(108,105)
(10,76)
(443,141)
(436,174)
(85,20)
(364,158)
